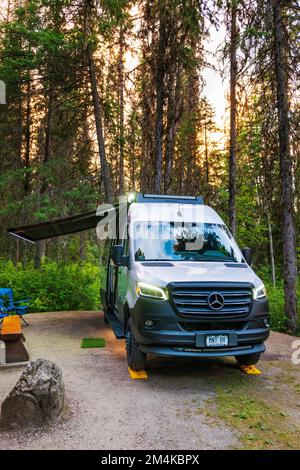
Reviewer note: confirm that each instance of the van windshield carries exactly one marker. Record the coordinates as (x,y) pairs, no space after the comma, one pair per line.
(175,241)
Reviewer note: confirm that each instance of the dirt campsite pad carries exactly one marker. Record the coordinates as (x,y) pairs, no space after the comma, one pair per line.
(183,404)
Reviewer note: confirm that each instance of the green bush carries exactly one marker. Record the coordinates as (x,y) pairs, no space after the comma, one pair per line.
(55,286)
(276,300)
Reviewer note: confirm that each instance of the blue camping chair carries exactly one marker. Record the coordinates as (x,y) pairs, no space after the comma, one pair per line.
(11,305)
(3,311)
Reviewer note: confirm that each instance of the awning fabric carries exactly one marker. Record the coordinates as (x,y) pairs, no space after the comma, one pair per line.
(56,228)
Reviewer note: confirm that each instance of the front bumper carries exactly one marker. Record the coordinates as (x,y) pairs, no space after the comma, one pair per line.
(173,335)
(191,352)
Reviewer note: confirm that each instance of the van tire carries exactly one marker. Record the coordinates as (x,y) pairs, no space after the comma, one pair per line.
(248,359)
(136,358)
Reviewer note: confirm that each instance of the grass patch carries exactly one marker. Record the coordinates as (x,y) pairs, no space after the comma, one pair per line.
(93,343)
(261,423)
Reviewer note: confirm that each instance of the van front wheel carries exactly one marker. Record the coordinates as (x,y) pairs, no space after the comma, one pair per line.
(135,357)
(248,359)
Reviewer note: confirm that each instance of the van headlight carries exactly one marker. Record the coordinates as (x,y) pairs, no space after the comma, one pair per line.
(259,292)
(153,292)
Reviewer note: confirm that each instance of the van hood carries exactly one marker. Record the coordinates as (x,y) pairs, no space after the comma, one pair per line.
(182,271)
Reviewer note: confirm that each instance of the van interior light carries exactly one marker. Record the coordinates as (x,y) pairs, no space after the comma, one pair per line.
(147,290)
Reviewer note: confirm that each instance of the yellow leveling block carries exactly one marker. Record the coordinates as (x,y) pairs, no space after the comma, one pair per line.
(251,370)
(137,374)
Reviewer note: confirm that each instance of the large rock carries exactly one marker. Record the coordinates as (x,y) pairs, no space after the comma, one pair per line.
(36,399)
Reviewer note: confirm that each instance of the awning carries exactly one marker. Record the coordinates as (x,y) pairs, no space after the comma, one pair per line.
(56,228)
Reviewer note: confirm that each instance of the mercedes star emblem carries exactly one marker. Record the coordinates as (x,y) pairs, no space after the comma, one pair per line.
(216,301)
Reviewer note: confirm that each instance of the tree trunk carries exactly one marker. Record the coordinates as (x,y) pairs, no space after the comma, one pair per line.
(191,183)
(181,174)
(121,111)
(27,140)
(173,115)
(47,154)
(271,247)
(17,251)
(143,169)
(206,162)
(233,112)
(20,130)
(170,132)
(82,246)
(160,76)
(97,104)
(8,11)
(99,128)
(286,175)
(40,249)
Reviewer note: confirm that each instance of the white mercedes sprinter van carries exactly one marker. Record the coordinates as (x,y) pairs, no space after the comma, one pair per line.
(175,283)
(173,280)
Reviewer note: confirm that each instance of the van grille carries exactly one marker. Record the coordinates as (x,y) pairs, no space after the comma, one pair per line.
(192,299)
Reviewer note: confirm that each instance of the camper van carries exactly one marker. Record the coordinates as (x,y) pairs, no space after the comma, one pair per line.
(173,280)
(175,283)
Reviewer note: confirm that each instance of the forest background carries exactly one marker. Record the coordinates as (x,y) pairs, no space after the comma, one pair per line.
(173,96)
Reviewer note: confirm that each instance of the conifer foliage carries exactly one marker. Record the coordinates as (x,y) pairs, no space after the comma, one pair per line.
(107,96)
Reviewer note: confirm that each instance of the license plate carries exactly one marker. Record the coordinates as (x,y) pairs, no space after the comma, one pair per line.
(214,341)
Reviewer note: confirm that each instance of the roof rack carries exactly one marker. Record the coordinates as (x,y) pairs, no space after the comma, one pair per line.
(169,198)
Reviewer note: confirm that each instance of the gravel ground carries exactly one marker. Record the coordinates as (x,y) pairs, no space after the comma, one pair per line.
(108,410)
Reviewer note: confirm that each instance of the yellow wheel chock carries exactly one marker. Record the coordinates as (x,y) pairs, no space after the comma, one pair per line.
(137,374)
(250,370)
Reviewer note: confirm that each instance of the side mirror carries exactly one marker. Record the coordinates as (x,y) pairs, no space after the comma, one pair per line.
(118,257)
(247,253)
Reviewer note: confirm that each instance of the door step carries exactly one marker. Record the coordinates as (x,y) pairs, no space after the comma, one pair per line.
(115,323)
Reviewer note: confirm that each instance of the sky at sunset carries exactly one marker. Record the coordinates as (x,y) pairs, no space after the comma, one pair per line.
(215,88)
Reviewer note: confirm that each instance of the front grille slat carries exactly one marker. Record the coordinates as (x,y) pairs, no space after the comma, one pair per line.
(190,294)
(224,311)
(234,294)
(238,302)
(192,300)
(227,303)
